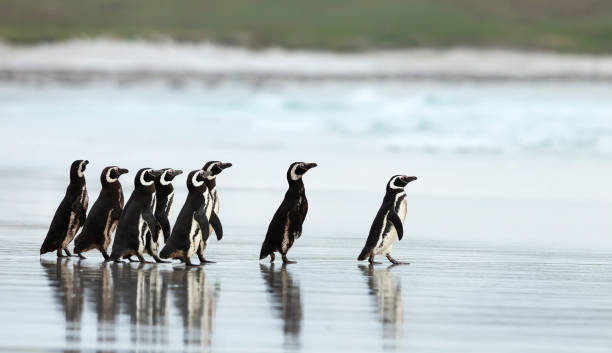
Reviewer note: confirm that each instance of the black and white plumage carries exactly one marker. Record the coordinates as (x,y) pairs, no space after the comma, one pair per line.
(104,215)
(191,224)
(286,224)
(212,206)
(164,197)
(388,223)
(70,214)
(137,218)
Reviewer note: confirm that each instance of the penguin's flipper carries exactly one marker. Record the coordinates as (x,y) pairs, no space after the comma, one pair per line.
(151,221)
(215,222)
(80,212)
(200,217)
(165,227)
(296,219)
(397,223)
(116,214)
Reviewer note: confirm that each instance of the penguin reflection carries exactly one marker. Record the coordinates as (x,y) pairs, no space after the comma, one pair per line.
(286,295)
(387,293)
(144,295)
(63,276)
(109,287)
(196,299)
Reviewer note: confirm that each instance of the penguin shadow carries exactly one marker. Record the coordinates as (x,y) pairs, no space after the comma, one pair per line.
(64,279)
(195,298)
(386,292)
(286,298)
(141,293)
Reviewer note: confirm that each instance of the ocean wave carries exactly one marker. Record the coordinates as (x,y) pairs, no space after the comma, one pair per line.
(141,59)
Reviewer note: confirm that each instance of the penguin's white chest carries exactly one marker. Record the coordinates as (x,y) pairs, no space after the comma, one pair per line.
(385,242)
(195,236)
(142,233)
(169,205)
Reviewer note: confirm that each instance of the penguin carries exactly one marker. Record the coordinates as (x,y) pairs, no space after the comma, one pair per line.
(104,215)
(191,224)
(388,223)
(286,224)
(70,214)
(212,207)
(137,218)
(164,196)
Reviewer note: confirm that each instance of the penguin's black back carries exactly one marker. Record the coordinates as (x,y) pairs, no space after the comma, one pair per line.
(110,198)
(179,238)
(294,201)
(126,235)
(388,204)
(59,223)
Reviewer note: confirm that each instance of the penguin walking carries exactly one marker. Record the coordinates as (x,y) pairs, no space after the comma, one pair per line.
(191,224)
(388,223)
(137,218)
(70,214)
(104,215)
(164,196)
(212,207)
(286,224)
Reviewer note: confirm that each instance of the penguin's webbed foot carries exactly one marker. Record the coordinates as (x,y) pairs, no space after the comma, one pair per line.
(67,252)
(287,261)
(203,260)
(395,262)
(160,261)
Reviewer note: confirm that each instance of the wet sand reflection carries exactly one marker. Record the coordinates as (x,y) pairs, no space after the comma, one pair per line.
(287,300)
(142,293)
(386,290)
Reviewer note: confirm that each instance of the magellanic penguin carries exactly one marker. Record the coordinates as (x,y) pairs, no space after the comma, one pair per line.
(286,224)
(164,196)
(104,215)
(212,206)
(70,214)
(388,223)
(191,224)
(137,218)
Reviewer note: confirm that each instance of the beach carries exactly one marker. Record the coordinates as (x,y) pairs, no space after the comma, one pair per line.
(507,229)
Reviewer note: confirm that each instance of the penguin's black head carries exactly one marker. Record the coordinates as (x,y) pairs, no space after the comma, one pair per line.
(111,175)
(167,175)
(297,169)
(196,178)
(215,167)
(398,182)
(77,168)
(145,178)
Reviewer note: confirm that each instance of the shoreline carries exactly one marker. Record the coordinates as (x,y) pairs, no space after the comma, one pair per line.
(127,60)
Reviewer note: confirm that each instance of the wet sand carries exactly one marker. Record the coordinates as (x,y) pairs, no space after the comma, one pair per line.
(451,298)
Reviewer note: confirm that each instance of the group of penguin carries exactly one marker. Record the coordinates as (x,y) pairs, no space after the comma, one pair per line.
(143,225)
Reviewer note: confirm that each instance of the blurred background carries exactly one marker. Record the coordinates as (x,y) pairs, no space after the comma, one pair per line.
(501,108)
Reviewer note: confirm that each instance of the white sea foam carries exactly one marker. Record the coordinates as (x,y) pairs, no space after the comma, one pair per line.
(112,56)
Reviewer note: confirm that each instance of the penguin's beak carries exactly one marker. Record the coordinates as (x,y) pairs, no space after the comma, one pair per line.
(225,165)
(176,172)
(408,179)
(156,173)
(308,166)
(122,171)
(86,162)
